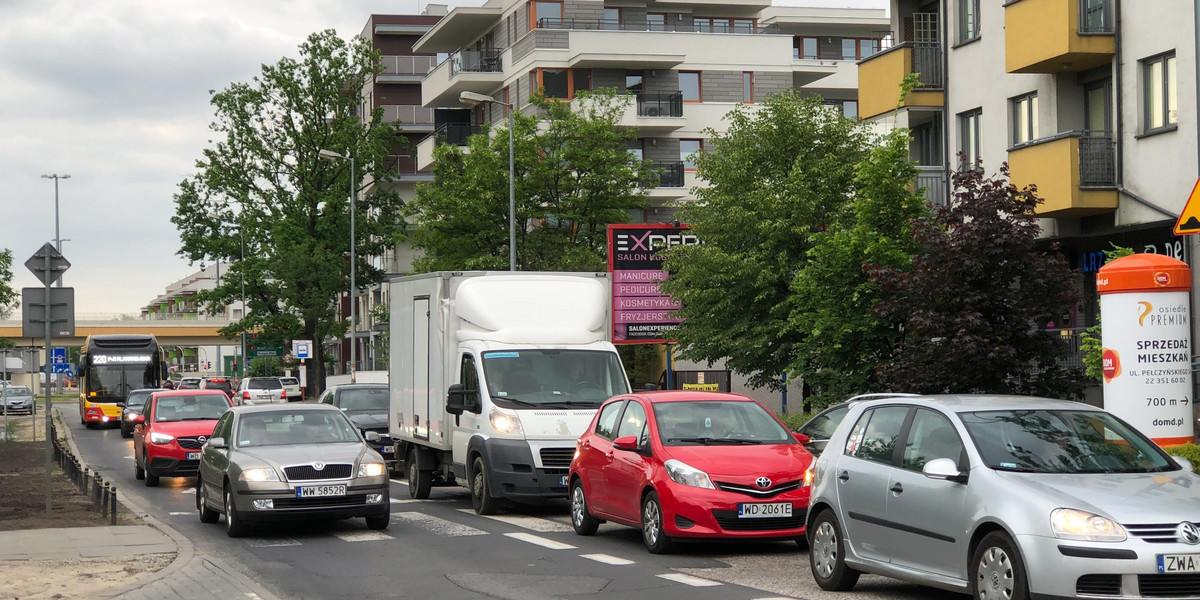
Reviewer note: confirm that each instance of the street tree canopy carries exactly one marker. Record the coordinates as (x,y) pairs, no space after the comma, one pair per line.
(262,186)
(574,176)
(9,300)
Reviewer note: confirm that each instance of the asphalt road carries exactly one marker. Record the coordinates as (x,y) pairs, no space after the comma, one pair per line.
(439,548)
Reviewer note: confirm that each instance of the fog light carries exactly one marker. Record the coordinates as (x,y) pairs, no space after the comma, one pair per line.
(374,498)
(266,504)
(104,419)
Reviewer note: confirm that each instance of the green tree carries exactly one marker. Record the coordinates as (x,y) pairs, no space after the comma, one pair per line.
(975,303)
(265,366)
(778,176)
(574,176)
(9,300)
(381,314)
(1089,340)
(265,203)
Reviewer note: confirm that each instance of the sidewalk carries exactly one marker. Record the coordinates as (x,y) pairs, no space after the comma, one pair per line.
(190,576)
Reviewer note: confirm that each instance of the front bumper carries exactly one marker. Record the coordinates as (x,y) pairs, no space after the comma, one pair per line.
(515,475)
(103,413)
(692,512)
(14,407)
(287,505)
(1072,569)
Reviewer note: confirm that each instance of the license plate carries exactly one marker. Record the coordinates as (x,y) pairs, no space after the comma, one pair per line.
(562,480)
(1178,563)
(193,456)
(316,491)
(765,510)
(385,449)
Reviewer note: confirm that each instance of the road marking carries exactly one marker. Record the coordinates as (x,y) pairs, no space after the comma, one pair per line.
(190,490)
(272,542)
(607,559)
(361,536)
(776,598)
(689,580)
(437,525)
(540,541)
(176,514)
(403,482)
(526,522)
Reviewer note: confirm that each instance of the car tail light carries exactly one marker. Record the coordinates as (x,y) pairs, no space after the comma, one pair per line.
(245,395)
(283,394)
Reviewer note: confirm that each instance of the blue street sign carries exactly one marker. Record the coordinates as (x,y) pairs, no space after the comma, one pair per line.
(58,356)
(61,368)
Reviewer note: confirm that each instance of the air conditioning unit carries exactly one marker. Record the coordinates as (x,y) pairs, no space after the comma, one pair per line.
(653,111)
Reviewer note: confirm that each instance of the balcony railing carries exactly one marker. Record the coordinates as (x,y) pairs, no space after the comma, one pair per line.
(407,114)
(454,133)
(1097,163)
(670,174)
(475,61)
(676,26)
(660,104)
(927,61)
(933,180)
(1095,16)
(408,65)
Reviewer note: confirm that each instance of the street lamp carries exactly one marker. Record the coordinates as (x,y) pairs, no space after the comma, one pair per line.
(57,238)
(331,155)
(473,99)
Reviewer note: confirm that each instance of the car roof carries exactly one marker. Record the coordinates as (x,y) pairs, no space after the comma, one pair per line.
(295,407)
(220,378)
(976,402)
(360,386)
(173,393)
(657,397)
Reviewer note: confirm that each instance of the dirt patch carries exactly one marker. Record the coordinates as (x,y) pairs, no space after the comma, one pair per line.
(79,578)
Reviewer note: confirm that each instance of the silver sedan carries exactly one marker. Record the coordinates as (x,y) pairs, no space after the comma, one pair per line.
(1003,497)
(274,462)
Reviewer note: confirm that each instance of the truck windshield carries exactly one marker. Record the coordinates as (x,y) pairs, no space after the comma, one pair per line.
(553,378)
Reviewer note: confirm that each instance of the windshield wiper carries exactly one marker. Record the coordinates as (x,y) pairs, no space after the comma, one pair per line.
(200,418)
(1016,470)
(712,440)
(570,403)
(515,400)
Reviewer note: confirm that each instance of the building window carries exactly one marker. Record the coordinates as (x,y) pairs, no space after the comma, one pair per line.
(635,82)
(969,134)
(656,22)
(689,83)
(612,19)
(1159,109)
(722,25)
(1024,118)
(687,148)
(563,83)
(747,87)
(636,150)
(543,13)
(848,108)
(968,20)
(927,143)
(805,48)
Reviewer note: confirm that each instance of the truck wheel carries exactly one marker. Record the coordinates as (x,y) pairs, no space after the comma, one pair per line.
(419,482)
(481,497)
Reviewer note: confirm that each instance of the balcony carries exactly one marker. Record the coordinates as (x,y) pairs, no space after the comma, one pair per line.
(660,104)
(670,174)
(589,45)
(676,26)
(449,133)
(405,69)
(1074,172)
(479,71)
(409,117)
(1049,36)
(932,183)
(879,78)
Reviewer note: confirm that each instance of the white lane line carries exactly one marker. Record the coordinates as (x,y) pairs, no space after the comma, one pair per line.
(176,514)
(437,525)
(526,522)
(776,598)
(689,580)
(272,542)
(414,501)
(607,559)
(129,458)
(361,536)
(403,482)
(190,490)
(540,541)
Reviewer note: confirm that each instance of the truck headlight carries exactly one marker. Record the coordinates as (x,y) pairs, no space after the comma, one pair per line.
(505,423)
(370,469)
(266,474)
(685,474)
(1072,524)
(160,438)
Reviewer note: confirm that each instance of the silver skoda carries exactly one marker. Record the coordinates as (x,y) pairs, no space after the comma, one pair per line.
(1003,497)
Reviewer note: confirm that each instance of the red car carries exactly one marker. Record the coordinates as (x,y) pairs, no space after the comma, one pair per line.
(173,426)
(697,465)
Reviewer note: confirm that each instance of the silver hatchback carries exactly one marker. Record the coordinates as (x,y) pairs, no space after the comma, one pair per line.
(1003,497)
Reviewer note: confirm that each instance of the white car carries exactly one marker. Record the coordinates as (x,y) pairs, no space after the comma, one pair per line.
(260,390)
(291,385)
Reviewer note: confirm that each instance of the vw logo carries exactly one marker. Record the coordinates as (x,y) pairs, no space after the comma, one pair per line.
(1188,533)
(763,482)
(202,439)
(320,466)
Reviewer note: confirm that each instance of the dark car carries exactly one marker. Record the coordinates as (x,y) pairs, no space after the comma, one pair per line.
(217,383)
(366,404)
(133,407)
(819,428)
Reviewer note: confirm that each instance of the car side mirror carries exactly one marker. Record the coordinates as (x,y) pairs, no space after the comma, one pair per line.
(650,387)
(1183,462)
(460,400)
(372,436)
(626,442)
(139,418)
(217,442)
(800,437)
(944,468)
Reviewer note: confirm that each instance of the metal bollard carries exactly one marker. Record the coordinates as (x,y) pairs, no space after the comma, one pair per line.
(85,482)
(104,500)
(97,491)
(113,509)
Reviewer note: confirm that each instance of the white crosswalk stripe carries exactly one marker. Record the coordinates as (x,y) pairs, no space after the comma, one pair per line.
(272,542)
(689,580)
(540,541)
(526,522)
(361,536)
(607,559)
(437,525)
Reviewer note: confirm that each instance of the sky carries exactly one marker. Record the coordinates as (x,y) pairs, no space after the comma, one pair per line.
(116,94)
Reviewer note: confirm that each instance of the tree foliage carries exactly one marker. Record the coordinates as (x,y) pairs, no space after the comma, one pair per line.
(778,176)
(976,301)
(574,176)
(1090,340)
(9,300)
(265,366)
(265,204)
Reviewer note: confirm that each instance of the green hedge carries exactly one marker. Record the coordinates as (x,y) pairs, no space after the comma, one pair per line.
(1188,451)
(795,420)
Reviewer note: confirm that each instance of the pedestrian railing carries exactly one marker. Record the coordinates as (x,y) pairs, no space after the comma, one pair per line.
(91,484)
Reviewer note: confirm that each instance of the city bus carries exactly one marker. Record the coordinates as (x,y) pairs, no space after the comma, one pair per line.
(110,366)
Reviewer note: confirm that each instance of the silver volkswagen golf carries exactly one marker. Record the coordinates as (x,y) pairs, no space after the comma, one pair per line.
(1003,497)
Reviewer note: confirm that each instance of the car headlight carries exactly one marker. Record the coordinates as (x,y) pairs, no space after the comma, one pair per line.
(686,474)
(371,469)
(505,423)
(160,438)
(1072,524)
(266,474)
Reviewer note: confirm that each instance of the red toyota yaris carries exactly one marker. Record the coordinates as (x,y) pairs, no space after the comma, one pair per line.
(686,464)
(172,428)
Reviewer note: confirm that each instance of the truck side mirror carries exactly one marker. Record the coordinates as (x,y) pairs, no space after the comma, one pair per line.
(460,400)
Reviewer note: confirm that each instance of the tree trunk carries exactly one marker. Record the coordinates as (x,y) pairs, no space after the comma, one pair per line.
(314,367)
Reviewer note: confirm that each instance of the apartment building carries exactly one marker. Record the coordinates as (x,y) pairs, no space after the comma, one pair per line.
(178,303)
(1094,101)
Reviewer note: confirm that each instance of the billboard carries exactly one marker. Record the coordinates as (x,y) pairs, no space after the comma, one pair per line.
(642,312)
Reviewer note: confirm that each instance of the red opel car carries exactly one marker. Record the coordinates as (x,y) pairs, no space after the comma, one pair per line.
(697,465)
(173,426)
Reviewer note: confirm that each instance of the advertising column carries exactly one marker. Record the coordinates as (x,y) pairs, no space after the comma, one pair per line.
(1147,360)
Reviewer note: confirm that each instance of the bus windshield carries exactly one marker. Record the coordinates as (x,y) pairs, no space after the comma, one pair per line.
(112,383)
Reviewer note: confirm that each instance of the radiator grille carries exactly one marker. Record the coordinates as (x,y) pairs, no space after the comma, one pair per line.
(729,521)
(756,492)
(1154,533)
(190,443)
(307,472)
(557,457)
(321,501)
(1169,586)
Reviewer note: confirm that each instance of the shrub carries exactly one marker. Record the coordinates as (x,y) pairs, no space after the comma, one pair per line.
(795,421)
(1188,451)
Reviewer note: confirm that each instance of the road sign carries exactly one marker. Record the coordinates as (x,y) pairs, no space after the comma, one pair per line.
(37,264)
(257,347)
(1189,219)
(302,349)
(33,312)
(60,368)
(58,356)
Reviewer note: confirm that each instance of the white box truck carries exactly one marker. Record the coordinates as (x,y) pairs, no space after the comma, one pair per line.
(495,375)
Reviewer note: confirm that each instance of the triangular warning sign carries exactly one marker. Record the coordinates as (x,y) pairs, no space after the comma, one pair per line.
(1189,219)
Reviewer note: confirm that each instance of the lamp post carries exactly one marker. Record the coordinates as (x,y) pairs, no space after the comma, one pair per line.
(473,99)
(57,238)
(330,155)
(242,270)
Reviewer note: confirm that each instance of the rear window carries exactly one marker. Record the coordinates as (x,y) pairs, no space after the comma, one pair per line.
(264,384)
(289,381)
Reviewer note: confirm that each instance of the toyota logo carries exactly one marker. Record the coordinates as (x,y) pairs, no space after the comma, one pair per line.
(763,482)
(1188,533)
(320,466)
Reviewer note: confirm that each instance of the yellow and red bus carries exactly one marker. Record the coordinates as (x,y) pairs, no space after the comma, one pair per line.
(111,366)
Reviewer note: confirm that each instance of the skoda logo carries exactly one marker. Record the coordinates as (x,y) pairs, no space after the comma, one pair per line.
(202,439)
(1188,533)
(763,482)
(320,466)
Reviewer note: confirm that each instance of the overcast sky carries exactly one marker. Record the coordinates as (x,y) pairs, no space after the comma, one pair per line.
(116,94)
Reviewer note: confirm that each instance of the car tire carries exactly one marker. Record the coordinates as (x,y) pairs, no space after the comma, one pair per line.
(419,481)
(138,472)
(653,533)
(151,478)
(379,523)
(233,523)
(997,570)
(126,433)
(207,515)
(581,519)
(481,495)
(827,555)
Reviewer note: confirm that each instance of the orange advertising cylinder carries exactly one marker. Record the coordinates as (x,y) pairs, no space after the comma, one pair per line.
(1147,340)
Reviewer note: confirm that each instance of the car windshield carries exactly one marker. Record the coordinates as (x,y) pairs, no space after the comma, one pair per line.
(138,397)
(718,422)
(363,399)
(280,428)
(553,378)
(17,392)
(1062,441)
(189,408)
(263,384)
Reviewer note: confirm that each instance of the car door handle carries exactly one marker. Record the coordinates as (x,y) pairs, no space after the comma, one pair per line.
(899,489)
(844,476)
